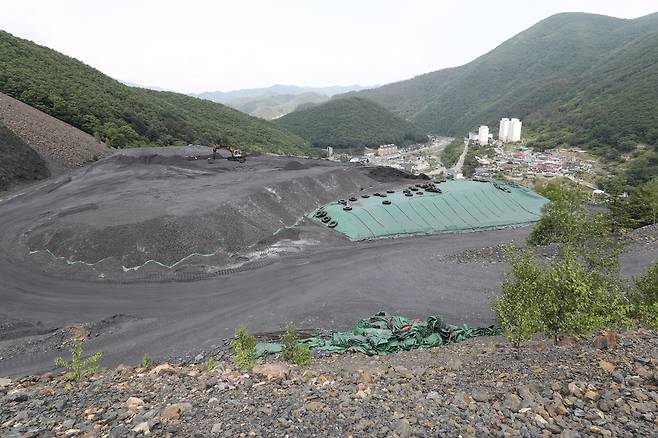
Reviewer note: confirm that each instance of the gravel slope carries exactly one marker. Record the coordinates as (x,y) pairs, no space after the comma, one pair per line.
(59,144)
(19,163)
(594,386)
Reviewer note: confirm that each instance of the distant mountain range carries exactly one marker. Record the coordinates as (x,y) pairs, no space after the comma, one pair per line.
(574,78)
(350,122)
(227,96)
(277,100)
(272,106)
(123,116)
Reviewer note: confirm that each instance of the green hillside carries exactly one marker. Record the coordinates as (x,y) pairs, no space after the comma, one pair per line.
(123,116)
(271,105)
(350,122)
(582,79)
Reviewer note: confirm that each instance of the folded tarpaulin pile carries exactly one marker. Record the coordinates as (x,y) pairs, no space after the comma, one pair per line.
(386,334)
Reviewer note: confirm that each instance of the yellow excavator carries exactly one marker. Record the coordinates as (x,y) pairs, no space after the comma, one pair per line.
(235,154)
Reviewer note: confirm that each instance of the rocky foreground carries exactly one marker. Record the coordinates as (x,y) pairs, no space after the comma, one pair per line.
(593,386)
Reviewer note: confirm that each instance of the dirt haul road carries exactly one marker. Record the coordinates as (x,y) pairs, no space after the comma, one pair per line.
(108,245)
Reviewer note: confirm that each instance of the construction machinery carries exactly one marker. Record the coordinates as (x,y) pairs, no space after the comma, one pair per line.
(235,154)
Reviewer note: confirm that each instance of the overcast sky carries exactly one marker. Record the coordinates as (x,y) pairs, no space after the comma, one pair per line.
(195,45)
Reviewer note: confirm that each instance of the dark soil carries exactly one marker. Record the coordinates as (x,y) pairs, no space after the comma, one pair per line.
(390,174)
(60,145)
(19,162)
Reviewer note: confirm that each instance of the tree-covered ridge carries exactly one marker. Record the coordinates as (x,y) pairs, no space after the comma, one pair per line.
(580,79)
(123,116)
(350,122)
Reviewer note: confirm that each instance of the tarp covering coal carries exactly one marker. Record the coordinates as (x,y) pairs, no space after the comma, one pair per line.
(386,334)
(428,208)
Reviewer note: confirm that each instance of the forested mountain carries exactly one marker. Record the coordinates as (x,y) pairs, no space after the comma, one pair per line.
(575,78)
(350,122)
(270,106)
(123,116)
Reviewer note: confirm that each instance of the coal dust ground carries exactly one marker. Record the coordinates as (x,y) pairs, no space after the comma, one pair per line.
(165,252)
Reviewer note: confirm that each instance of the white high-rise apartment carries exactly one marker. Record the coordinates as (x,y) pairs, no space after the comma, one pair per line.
(514,131)
(483,135)
(509,130)
(503,130)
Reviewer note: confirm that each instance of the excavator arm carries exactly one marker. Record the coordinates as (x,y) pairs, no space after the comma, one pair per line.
(234,153)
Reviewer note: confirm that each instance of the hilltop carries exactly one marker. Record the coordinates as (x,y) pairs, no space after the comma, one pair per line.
(350,122)
(581,79)
(124,116)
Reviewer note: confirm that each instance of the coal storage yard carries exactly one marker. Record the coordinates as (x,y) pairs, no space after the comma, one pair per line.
(165,251)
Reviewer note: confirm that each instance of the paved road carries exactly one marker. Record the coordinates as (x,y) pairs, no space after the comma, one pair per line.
(457,168)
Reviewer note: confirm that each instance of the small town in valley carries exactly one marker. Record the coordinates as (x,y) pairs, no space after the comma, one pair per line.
(506,157)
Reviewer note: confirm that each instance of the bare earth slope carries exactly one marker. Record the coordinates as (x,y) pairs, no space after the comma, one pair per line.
(59,144)
(18,161)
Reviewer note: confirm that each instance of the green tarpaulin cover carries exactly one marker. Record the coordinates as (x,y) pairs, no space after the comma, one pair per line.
(450,206)
(386,334)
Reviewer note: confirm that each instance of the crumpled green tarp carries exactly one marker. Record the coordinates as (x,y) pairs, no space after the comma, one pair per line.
(386,334)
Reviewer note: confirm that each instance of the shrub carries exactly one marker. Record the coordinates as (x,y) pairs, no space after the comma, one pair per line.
(565,220)
(79,366)
(517,307)
(211,364)
(147,362)
(293,351)
(566,296)
(244,345)
(645,298)
(575,300)
(647,285)
(638,208)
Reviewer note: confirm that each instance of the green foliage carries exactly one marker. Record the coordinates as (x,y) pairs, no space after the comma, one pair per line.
(518,308)
(575,300)
(293,351)
(79,365)
(471,162)
(647,285)
(147,361)
(574,79)
(580,290)
(451,153)
(244,346)
(644,299)
(211,364)
(567,296)
(636,210)
(124,116)
(565,220)
(350,122)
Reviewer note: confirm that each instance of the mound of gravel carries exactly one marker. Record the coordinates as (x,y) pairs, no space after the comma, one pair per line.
(294,165)
(19,163)
(141,212)
(390,174)
(60,145)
